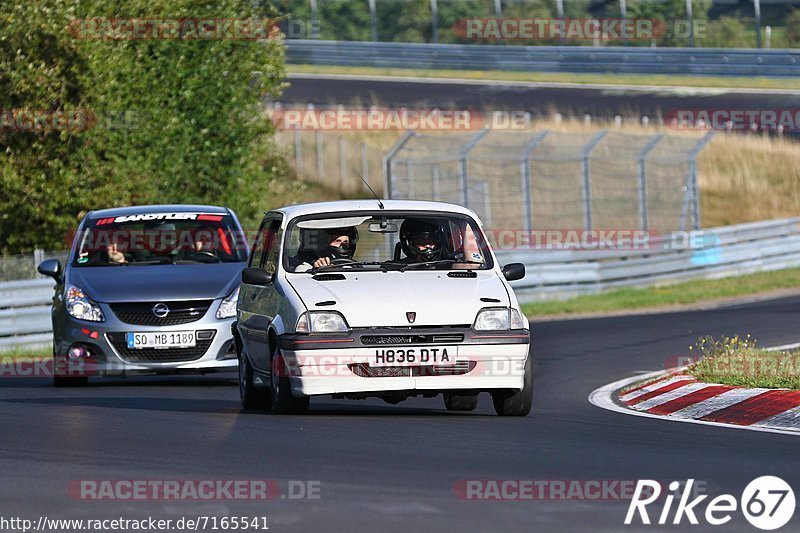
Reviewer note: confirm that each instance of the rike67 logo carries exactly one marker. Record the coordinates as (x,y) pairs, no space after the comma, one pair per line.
(767,503)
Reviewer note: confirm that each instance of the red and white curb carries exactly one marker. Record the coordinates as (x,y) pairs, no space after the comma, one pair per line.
(679,397)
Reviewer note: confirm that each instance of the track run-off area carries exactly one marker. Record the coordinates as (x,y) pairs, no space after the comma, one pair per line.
(370,465)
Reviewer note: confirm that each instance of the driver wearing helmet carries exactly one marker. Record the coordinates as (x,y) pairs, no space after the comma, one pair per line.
(323,247)
(422,241)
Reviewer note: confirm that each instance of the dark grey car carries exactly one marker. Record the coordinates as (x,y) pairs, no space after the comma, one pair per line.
(147,289)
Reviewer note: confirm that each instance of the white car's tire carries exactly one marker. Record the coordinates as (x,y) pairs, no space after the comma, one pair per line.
(454,401)
(251,396)
(516,402)
(283,401)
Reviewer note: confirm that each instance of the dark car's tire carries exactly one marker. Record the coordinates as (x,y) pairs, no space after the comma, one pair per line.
(62,381)
(283,402)
(454,401)
(251,396)
(66,381)
(516,402)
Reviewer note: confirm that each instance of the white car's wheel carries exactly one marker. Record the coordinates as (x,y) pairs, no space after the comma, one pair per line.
(283,402)
(454,401)
(251,396)
(516,402)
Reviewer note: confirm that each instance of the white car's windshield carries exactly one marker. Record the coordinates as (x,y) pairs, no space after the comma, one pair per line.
(385,241)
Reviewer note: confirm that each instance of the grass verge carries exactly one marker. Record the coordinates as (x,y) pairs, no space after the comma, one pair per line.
(737,361)
(560,77)
(681,294)
(24,354)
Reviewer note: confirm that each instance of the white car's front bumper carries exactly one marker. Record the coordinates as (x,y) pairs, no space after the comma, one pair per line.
(347,370)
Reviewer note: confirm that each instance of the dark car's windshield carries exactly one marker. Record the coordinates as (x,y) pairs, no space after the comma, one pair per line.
(160,238)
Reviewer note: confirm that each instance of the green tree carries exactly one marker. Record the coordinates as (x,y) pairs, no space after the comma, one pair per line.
(178,120)
(727,32)
(793,28)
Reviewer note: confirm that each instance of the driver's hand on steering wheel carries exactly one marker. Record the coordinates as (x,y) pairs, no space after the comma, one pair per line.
(322,261)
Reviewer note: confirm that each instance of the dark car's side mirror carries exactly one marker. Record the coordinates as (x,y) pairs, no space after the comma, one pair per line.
(514,271)
(256,276)
(51,268)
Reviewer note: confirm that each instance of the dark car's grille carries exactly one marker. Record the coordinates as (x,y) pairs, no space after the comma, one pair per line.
(162,355)
(141,313)
(412,339)
(364,370)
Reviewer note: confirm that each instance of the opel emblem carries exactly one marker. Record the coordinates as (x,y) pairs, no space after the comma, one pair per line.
(411,316)
(160,310)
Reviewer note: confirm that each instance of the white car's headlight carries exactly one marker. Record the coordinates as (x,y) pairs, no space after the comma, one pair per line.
(80,306)
(321,322)
(227,308)
(498,318)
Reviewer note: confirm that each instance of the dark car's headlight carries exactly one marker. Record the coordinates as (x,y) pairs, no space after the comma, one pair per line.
(81,307)
(227,308)
(498,319)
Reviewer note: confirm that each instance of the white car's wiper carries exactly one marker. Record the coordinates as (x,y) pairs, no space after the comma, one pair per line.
(357,264)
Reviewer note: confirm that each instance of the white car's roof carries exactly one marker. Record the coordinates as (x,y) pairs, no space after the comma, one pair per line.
(371,204)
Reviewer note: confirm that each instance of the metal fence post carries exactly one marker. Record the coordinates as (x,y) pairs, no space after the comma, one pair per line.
(525,180)
(586,190)
(298,152)
(437,192)
(434,21)
(314,20)
(387,162)
(318,137)
(342,165)
(462,165)
(364,163)
(373,21)
(693,178)
(38,257)
(641,166)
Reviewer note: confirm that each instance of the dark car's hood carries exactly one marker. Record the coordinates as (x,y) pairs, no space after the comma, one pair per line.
(147,283)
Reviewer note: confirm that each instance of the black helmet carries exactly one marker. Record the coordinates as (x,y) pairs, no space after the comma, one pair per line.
(415,228)
(345,251)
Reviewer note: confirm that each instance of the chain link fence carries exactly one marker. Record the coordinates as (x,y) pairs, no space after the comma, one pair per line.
(548,179)
(23,266)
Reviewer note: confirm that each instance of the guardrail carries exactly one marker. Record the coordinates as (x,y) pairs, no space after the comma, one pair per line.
(726,251)
(551,274)
(610,59)
(25,314)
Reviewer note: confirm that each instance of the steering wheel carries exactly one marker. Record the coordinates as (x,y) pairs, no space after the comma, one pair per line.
(343,261)
(196,253)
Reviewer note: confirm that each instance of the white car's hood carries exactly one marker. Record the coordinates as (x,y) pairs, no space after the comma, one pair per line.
(383,298)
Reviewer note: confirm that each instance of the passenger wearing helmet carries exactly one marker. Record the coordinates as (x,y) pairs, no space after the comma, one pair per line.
(422,241)
(319,248)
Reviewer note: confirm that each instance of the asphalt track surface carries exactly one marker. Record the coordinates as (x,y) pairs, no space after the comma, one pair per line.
(392,468)
(599,102)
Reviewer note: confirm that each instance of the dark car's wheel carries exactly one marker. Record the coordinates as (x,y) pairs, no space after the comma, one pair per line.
(283,402)
(62,381)
(252,397)
(455,401)
(516,402)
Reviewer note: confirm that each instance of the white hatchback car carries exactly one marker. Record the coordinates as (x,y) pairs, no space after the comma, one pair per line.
(387,299)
